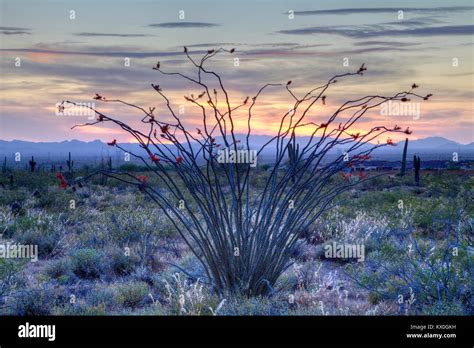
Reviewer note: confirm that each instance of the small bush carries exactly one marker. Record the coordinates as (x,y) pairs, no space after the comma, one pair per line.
(102,297)
(121,264)
(59,268)
(86,263)
(37,302)
(132,294)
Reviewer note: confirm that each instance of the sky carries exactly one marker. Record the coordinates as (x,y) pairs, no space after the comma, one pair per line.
(70,50)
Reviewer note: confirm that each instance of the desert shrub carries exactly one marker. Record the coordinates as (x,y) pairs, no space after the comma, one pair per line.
(46,241)
(9,277)
(58,269)
(221,213)
(419,273)
(39,301)
(361,229)
(140,227)
(102,297)
(41,229)
(87,263)
(7,221)
(132,294)
(119,263)
(10,196)
(80,308)
(185,297)
(255,306)
(54,199)
(13,225)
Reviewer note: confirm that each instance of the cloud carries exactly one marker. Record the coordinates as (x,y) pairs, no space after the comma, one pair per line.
(385,43)
(367,32)
(89,34)
(183,25)
(103,53)
(15,31)
(347,11)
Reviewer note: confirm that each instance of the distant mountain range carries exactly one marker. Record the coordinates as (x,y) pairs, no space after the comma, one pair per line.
(432,147)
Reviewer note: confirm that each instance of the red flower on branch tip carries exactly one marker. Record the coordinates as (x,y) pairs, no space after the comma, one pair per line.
(408,131)
(179,159)
(143,178)
(396,128)
(62,181)
(390,142)
(154,158)
(346,176)
(112,143)
(355,136)
(213,140)
(165,129)
(198,131)
(98,97)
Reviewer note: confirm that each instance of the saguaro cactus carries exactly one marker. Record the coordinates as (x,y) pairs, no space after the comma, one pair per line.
(293,155)
(32,163)
(70,164)
(416,166)
(404,158)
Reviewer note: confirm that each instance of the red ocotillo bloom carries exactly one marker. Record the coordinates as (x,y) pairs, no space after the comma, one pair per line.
(165,129)
(112,143)
(143,178)
(179,160)
(154,158)
(346,176)
(62,180)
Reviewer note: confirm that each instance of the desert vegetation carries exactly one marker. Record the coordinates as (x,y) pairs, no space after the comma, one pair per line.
(186,234)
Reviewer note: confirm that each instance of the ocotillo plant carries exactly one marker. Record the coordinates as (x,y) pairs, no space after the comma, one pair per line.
(244,235)
(32,164)
(293,154)
(416,167)
(404,158)
(70,164)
